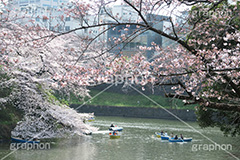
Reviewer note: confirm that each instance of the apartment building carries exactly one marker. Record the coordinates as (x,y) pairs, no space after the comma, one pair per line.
(48,14)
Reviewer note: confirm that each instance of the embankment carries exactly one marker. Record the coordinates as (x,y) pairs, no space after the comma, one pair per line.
(137,112)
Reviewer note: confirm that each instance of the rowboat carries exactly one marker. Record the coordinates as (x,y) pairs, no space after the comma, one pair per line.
(158,134)
(187,139)
(115,128)
(175,140)
(19,140)
(114,135)
(165,137)
(180,140)
(89,119)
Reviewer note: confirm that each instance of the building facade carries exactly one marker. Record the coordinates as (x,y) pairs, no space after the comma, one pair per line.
(49,14)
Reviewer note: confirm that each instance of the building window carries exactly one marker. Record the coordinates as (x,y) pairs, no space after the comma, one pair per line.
(46,5)
(67,28)
(23,1)
(51,28)
(67,19)
(59,29)
(37,19)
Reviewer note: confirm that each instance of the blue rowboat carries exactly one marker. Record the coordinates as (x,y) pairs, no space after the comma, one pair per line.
(164,137)
(19,140)
(175,140)
(180,140)
(187,139)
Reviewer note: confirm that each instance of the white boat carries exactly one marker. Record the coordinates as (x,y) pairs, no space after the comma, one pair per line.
(115,128)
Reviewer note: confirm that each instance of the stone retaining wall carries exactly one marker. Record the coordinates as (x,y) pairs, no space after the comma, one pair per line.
(138,112)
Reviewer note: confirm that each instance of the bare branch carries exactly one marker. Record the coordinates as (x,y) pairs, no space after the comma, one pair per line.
(221,106)
(184,97)
(111,15)
(174,32)
(139,12)
(194,71)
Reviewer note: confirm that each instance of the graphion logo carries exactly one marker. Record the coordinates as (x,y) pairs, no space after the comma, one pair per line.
(211,147)
(124,78)
(30,146)
(198,13)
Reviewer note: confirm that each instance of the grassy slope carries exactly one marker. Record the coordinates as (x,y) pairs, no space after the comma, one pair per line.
(116,99)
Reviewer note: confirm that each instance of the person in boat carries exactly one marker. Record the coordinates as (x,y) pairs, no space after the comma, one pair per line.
(161,133)
(181,136)
(166,134)
(176,137)
(171,135)
(114,132)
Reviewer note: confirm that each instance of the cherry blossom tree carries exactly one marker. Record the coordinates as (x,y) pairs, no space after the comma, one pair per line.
(33,65)
(199,61)
(202,69)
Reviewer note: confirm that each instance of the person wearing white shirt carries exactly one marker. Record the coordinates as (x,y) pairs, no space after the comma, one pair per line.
(166,134)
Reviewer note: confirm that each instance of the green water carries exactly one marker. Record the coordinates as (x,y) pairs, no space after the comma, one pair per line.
(136,143)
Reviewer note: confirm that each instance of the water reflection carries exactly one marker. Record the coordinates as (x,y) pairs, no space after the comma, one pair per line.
(77,148)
